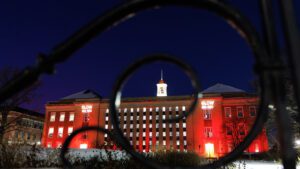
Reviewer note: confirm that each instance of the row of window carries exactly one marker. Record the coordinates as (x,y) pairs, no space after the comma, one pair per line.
(60,132)
(150,109)
(240,112)
(144,126)
(62,116)
(25,135)
(30,123)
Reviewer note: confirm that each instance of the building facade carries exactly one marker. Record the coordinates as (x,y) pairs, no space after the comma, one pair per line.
(23,126)
(221,120)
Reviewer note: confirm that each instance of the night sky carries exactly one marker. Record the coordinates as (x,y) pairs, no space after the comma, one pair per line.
(200,38)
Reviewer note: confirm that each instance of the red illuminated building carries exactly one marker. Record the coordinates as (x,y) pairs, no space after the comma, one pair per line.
(221,120)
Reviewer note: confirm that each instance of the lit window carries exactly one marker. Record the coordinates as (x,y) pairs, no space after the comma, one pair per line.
(209,149)
(183,108)
(106,126)
(137,134)
(150,117)
(138,109)
(107,111)
(137,117)
(185,142)
(144,126)
(150,125)
(86,108)
(83,146)
(131,117)
(144,109)
(130,134)
(144,134)
(184,125)
(170,125)
(164,142)
(105,135)
(164,125)
(176,108)
(62,116)
(157,134)
(240,113)
(144,117)
(131,110)
(150,134)
(170,108)
(164,109)
(207,115)
(106,118)
(171,133)
(164,117)
(150,109)
(156,125)
(178,142)
(208,132)
(137,125)
(60,132)
(52,116)
(131,126)
(70,130)
(177,134)
(71,117)
(50,132)
(252,111)
(184,133)
(228,112)
(177,125)
(164,133)
(157,109)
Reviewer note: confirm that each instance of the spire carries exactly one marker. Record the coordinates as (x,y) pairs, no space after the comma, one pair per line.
(161,85)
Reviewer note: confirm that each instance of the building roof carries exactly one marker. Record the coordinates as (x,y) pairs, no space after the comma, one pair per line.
(85,94)
(222,88)
(25,111)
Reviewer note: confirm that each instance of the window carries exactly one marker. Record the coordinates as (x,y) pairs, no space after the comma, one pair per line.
(228,112)
(208,132)
(52,116)
(252,111)
(85,117)
(240,113)
(50,132)
(70,130)
(83,146)
(207,114)
(60,132)
(229,130)
(71,117)
(62,116)
(242,129)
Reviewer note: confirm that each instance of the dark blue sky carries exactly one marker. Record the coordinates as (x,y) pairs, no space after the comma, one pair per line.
(200,38)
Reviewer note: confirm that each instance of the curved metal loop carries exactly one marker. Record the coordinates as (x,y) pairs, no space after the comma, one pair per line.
(247,31)
(65,146)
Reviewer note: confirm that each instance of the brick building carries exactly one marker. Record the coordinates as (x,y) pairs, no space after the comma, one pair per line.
(24,126)
(222,119)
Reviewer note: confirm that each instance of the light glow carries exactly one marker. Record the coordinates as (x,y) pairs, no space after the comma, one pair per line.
(86,108)
(207,104)
(83,146)
(209,149)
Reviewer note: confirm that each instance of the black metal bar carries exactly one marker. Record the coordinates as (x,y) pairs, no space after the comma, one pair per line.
(292,39)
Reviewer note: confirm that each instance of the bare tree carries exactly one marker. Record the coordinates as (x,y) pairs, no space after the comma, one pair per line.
(24,97)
